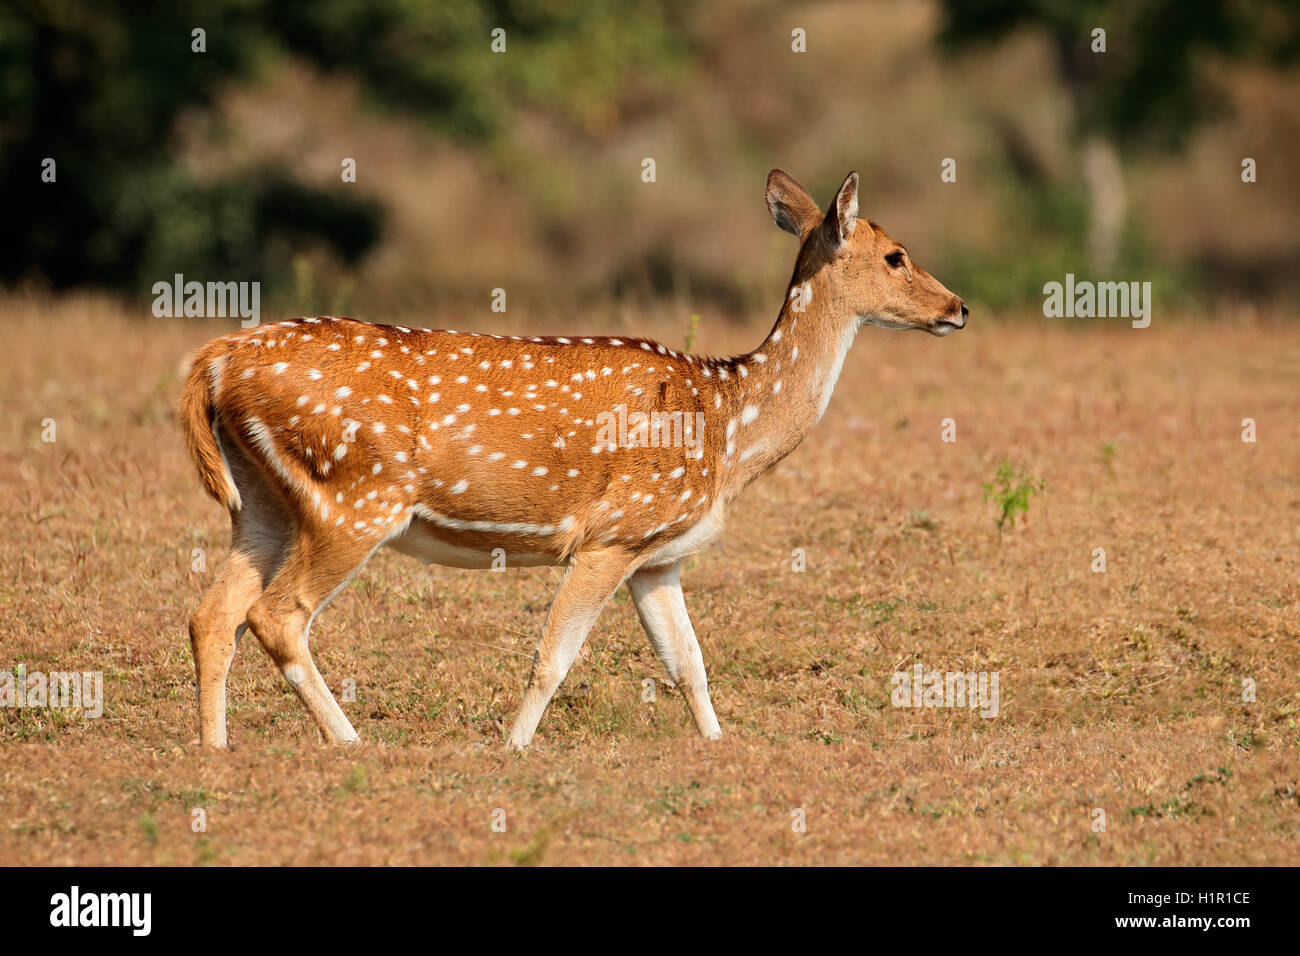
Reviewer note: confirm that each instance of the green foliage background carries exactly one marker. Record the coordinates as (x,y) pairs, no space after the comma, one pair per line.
(105,88)
(100,86)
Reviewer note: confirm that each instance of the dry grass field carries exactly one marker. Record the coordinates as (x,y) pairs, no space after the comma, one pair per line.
(1120,691)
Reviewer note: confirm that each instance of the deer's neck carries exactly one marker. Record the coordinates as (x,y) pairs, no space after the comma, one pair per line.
(787,383)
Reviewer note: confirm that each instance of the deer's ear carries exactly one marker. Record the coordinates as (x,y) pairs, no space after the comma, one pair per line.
(842,218)
(791,207)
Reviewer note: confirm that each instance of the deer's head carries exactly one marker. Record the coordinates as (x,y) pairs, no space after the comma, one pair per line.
(866,272)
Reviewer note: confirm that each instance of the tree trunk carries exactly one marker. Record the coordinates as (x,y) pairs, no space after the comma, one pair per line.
(1104,179)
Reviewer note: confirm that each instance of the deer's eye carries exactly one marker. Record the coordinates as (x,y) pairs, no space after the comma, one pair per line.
(895,259)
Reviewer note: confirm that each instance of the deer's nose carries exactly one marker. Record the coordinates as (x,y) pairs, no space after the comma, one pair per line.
(960,319)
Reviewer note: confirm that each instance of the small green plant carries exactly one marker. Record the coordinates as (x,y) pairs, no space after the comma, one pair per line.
(827,737)
(1011,493)
(207,855)
(532,853)
(304,285)
(691,329)
(919,518)
(357,780)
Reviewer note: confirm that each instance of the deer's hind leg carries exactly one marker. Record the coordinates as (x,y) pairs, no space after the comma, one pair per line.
(588,583)
(318,567)
(260,535)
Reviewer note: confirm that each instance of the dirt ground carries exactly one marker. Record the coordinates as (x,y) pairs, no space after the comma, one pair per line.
(1120,692)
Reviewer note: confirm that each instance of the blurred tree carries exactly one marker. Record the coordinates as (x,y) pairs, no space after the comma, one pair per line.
(574,58)
(1147,90)
(99,86)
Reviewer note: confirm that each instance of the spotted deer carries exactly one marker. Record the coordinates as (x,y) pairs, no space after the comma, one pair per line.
(328,438)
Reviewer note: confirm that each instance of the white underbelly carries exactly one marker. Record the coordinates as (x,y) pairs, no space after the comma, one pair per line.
(700,535)
(422,541)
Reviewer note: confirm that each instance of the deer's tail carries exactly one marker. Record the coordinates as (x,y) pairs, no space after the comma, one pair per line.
(198,417)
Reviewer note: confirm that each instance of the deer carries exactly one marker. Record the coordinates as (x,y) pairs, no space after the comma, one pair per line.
(328,438)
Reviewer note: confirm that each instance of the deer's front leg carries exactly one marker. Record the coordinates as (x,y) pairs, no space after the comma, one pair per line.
(657,593)
(588,583)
